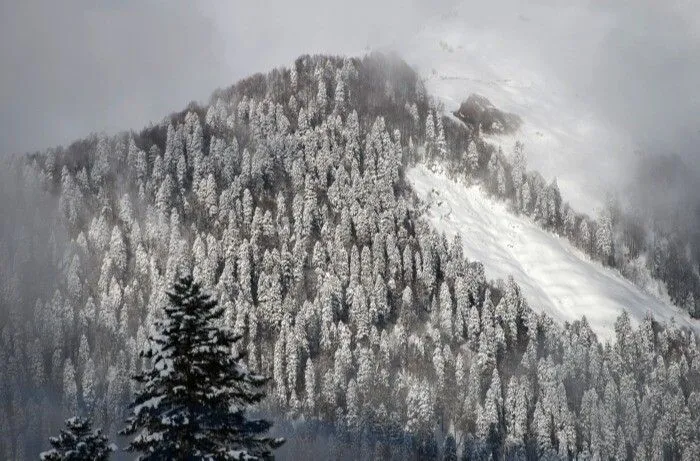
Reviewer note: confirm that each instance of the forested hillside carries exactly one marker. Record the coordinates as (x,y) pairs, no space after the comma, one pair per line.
(287,197)
(657,256)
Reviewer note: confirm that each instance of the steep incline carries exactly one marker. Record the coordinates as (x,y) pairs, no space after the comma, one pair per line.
(555,276)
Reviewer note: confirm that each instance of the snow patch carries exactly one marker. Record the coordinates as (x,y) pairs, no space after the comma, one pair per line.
(555,277)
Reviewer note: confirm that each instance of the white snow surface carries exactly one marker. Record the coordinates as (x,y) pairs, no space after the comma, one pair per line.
(563,136)
(555,277)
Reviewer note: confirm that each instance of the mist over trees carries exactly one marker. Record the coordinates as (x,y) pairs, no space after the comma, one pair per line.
(287,196)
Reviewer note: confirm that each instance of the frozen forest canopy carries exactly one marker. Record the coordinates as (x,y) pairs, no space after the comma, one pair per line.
(286,196)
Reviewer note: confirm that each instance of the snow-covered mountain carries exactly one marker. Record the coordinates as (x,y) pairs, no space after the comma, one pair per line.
(306,201)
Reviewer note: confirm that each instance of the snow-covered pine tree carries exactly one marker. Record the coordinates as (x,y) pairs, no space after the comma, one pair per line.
(604,237)
(472,157)
(192,400)
(79,442)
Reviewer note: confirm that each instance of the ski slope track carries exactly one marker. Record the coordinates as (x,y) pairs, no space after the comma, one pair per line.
(555,277)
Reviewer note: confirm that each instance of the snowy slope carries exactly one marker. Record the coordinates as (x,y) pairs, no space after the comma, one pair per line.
(563,138)
(555,276)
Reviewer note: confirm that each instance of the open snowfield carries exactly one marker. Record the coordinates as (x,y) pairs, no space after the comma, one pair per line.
(555,276)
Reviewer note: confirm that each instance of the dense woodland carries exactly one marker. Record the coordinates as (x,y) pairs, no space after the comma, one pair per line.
(286,196)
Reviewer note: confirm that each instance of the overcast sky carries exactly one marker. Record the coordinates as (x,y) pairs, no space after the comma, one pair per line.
(73,67)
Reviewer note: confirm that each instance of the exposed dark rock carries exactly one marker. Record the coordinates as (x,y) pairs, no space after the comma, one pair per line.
(480,114)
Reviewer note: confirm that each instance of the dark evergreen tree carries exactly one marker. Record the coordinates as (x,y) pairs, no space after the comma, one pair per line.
(192,400)
(450,449)
(78,443)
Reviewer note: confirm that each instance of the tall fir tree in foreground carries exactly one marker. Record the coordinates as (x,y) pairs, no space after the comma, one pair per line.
(78,443)
(192,400)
